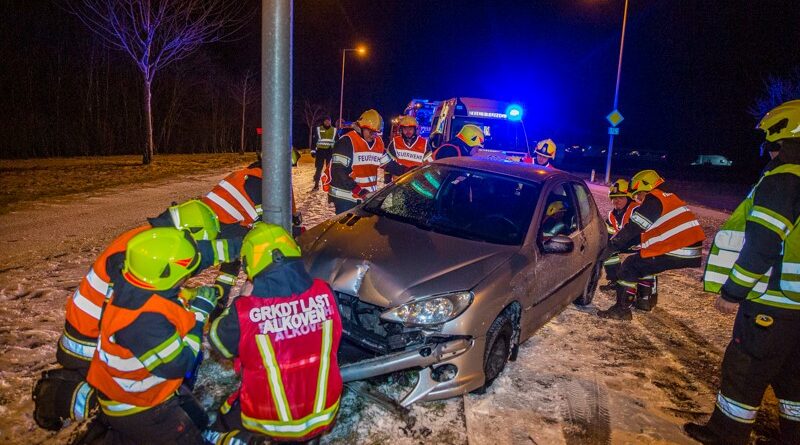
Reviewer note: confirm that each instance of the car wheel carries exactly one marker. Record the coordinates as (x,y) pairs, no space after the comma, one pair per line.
(586,298)
(498,349)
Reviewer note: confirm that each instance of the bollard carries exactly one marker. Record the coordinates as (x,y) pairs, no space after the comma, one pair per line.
(591,179)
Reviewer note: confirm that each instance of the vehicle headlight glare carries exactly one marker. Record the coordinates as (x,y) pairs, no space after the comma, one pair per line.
(432,310)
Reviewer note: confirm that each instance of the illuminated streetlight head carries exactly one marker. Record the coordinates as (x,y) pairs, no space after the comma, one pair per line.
(361,50)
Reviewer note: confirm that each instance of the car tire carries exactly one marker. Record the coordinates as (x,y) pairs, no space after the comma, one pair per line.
(587,296)
(498,350)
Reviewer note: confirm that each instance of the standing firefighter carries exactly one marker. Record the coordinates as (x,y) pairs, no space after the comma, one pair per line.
(470,139)
(618,217)
(283,333)
(543,154)
(407,150)
(669,235)
(356,158)
(150,337)
(324,138)
(754,264)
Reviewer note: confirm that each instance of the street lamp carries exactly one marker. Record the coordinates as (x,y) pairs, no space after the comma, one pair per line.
(616,93)
(360,50)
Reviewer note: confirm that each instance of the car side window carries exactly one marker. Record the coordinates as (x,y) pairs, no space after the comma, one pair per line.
(560,216)
(584,203)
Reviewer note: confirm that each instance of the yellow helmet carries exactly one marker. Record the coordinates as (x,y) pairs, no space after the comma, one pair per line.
(471,135)
(645,181)
(619,189)
(371,120)
(197,218)
(159,258)
(782,122)
(546,148)
(555,207)
(260,244)
(407,121)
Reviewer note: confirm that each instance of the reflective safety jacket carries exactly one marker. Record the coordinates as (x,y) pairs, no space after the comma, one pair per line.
(82,317)
(354,166)
(756,254)
(675,232)
(234,201)
(408,156)
(165,334)
(325,137)
(619,219)
(286,354)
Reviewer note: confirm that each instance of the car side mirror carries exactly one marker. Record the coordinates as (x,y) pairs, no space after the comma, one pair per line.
(558,244)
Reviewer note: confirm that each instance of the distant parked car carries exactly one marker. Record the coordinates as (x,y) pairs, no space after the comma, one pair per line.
(448,269)
(713,160)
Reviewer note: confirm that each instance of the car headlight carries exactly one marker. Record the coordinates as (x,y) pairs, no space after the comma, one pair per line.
(432,310)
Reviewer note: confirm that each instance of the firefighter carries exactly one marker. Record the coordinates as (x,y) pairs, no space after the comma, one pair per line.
(622,206)
(470,139)
(754,265)
(669,235)
(407,150)
(543,154)
(283,334)
(354,165)
(150,337)
(324,138)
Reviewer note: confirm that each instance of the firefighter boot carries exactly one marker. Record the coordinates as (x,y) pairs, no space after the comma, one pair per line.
(646,293)
(621,310)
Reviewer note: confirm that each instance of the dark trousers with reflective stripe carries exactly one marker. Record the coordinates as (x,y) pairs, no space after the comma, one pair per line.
(321,159)
(634,266)
(232,422)
(758,356)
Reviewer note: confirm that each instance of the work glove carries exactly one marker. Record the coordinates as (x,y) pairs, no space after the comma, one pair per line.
(204,300)
(313,153)
(297,219)
(359,193)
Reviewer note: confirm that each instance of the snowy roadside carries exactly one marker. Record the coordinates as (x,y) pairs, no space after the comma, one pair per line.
(579,380)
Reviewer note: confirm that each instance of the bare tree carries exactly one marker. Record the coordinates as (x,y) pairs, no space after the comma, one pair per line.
(312,113)
(244,91)
(777,90)
(155,33)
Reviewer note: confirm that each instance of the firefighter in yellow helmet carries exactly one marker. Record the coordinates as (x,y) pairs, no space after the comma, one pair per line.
(468,140)
(622,207)
(754,264)
(406,150)
(543,154)
(553,223)
(355,161)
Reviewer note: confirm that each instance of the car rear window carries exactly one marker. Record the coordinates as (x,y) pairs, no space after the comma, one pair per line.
(460,202)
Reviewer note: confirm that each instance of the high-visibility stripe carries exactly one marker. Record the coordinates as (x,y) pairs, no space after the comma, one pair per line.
(723,258)
(669,215)
(193,342)
(729,240)
(740,274)
(297,428)
(670,233)
(324,366)
(220,247)
(641,221)
(212,334)
(237,195)
(226,278)
(790,268)
(176,216)
(737,411)
(77,348)
(770,220)
(218,200)
(80,401)
(341,160)
(628,284)
(342,194)
(366,179)
(274,376)
(97,283)
(790,286)
(779,299)
(117,409)
(687,252)
(789,409)
(86,305)
(715,277)
(119,363)
(138,385)
(613,260)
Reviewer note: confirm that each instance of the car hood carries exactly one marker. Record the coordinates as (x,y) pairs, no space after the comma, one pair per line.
(387,262)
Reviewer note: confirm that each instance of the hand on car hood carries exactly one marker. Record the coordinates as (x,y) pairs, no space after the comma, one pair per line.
(387,263)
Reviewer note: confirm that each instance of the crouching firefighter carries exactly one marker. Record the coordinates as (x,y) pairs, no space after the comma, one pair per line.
(150,337)
(669,235)
(622,206)
(283,334)
(754,265)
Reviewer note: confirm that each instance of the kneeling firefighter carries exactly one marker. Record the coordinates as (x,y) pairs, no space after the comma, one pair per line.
(622,207)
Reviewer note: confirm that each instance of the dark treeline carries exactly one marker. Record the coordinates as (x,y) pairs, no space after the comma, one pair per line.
(64,93)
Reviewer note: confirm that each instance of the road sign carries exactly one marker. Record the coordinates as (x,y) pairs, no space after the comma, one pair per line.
(614,118)
(613,130)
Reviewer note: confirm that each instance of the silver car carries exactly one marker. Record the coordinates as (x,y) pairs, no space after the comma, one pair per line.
(447,270)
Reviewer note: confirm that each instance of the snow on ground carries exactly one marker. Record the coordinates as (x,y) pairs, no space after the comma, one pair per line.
(579,380)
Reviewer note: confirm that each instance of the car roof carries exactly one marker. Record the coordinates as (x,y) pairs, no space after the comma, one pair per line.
(516,169)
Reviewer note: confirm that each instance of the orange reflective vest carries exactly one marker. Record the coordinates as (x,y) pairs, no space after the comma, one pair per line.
(673,232)
(230,200)
(626,217)
(412,156)
(366,160)
(118,374)
(84,308)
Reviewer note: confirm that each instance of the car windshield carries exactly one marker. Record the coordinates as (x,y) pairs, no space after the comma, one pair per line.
(500,134)
(460,202)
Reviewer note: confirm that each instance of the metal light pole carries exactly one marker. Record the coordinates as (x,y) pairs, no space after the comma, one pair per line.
(276,111)
(616,92)
(359,50)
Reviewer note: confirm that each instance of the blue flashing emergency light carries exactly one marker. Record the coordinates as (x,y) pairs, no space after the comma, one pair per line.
(514,113)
